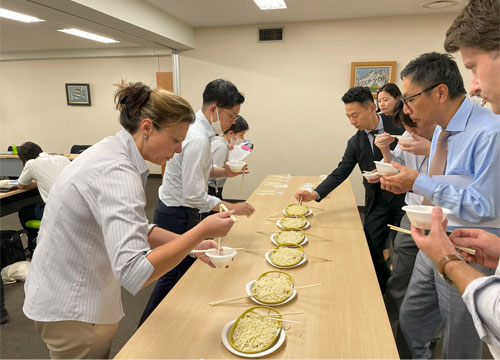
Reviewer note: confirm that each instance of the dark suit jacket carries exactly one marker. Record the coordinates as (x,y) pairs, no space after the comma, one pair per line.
(359,151)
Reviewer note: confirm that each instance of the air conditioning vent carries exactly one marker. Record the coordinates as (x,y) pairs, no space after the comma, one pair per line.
(271,34)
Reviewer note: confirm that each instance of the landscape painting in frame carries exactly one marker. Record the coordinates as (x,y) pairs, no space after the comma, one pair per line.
(372,74)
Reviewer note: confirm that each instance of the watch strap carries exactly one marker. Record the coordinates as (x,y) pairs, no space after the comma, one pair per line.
(445,260)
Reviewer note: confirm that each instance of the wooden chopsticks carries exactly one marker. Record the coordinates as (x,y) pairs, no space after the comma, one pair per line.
(213,303)
(224,208)
(210,250)
(406,231)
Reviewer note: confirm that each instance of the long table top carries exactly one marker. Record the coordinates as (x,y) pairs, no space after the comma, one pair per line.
(343,318)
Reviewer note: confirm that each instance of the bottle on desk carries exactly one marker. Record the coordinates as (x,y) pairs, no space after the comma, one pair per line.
(14,149)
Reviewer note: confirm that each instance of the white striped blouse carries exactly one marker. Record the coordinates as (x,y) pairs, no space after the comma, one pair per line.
(93,237)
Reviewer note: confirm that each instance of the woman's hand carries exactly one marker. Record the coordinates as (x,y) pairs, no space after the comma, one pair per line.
(204,245)
(217,225)
(417,146)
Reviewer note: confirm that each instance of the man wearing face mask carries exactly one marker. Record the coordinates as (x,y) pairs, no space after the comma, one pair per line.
(184,190)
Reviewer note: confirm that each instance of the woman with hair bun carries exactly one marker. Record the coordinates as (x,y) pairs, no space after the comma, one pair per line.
(95,237)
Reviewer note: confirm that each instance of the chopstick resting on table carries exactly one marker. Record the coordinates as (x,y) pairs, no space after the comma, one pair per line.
(247,296)
(406,231)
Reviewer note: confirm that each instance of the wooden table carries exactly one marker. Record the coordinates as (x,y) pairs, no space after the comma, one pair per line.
(344,318)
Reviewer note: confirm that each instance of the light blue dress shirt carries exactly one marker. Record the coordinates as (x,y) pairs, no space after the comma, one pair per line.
(474,153)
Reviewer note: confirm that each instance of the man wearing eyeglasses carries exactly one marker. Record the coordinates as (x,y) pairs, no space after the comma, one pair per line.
(475,32)
(464,167)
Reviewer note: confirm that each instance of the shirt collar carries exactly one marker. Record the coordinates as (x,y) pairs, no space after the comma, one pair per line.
(124,137)
(459,121)
(43,154)
(380,125)
(209,130)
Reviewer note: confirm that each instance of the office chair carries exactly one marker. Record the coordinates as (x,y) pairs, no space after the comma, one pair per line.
(78,149)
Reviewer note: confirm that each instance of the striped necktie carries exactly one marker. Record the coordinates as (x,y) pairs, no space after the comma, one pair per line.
(438,164)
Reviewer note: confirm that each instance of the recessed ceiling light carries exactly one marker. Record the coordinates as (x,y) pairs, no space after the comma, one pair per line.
(439,4)
(270,4)
(18,16)
(87,35)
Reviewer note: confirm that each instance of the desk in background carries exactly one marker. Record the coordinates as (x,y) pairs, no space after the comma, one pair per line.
(344,318)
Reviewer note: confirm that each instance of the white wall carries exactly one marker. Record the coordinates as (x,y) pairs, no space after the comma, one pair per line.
(293,88)
(33,100)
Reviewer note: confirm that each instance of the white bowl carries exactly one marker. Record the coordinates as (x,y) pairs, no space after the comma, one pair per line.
(370,175)
(385,168)
(236,165)
(224,257)
(421,215)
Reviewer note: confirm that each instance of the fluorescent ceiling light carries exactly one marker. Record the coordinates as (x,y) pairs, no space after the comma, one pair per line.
(270,4)
(18,16)
(88,35)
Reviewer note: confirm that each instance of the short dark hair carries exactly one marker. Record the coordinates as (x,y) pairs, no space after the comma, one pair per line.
(390,88)
(223,93)
(28,151)
(433,68)
(240,124)
(360,94)
(399,117)
(477,27)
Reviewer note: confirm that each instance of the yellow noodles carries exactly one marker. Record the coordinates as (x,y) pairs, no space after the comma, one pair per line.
(289,237)
(296,210)
(272,290)
(286,256)
(293,222)
(254,333)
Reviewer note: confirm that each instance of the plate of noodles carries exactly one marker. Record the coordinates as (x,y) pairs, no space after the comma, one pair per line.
(285,257)
(289,237)
(297,210)
(272,288)
(293,222)
(254,335)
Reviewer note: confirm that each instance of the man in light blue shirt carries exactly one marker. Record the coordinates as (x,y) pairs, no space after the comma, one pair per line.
(433,90)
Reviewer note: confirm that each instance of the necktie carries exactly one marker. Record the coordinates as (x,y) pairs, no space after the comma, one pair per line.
(438,164)
(377,154)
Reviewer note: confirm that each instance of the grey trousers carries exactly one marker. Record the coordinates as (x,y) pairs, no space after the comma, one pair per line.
(430,304)
(403,259)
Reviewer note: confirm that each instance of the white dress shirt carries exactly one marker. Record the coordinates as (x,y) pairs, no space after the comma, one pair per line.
(220,154)
(185,182)
(379,128)
(44,170)
(482,298)
(93,237)
(412,161)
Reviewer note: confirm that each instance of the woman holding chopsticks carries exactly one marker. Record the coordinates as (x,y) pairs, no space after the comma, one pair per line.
(95,237)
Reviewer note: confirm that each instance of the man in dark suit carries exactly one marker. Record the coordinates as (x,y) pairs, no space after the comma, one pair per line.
(381,207)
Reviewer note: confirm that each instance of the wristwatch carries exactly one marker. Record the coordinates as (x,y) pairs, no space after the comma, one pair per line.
(445,260)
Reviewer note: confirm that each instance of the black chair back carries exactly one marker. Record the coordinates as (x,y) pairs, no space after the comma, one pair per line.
(78,149)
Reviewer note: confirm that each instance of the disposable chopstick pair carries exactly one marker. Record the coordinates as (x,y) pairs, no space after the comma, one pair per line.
(270,232)
(224,208)
(275,316)
(247,296)
(406,231)
(211,250)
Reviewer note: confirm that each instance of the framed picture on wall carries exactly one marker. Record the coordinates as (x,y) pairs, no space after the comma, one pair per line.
(372,74)
(78,94)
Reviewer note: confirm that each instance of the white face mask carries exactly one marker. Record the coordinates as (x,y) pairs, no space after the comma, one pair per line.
(216,124)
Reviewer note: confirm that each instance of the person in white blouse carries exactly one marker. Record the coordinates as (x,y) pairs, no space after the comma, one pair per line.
(184,190)
(221,145)
(95,237)
(475,34)
(40,171)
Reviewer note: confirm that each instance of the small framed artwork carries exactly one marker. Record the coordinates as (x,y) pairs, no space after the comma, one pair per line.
(78,94)
(372,74)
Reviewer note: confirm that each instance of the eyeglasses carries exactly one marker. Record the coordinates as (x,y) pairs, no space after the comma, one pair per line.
(232,115)
(408,100)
